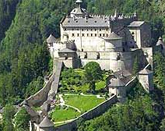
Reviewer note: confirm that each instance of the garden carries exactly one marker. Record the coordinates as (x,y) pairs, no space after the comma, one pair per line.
(80,91)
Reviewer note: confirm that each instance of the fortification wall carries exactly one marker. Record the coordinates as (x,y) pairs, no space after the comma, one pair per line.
(40,96)
(100,109)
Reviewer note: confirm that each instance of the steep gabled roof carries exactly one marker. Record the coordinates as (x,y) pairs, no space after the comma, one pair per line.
(136,24)
(116,82)
(51,39)
(145,71)
(46,123)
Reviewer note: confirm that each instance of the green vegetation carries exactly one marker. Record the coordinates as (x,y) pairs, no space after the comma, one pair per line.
(27,24)
(74,80)
(135,66)
(62,114)
(8,115)
(21,120)
(24,59)
(93,73)
(137,114)
(87,102)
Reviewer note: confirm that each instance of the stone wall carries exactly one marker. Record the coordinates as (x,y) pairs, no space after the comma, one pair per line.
(40,96)
(97,111)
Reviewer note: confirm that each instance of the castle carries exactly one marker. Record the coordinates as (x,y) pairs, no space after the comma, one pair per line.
(112,41)
(116,42)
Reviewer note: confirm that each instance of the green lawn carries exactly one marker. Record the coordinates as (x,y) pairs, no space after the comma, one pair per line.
(60,114)
(83,103)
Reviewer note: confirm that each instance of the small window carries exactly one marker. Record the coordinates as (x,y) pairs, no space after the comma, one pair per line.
(107,35)
(87,29)
(87,34)
(78,34)
(72,34)
(82,34)
(72,29)
(65,29)
(95,29)
(91,29)
(95,21)
(103,35)
(82,29)
(68,21)
(76,21)
(91,34)
(100,29)
(100,35)
(86,21)
(95,34)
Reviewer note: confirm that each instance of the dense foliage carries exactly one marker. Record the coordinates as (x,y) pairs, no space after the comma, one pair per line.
(21,120)
(24,58)
(23,53)
(8,115)
(93,73)
(137,114)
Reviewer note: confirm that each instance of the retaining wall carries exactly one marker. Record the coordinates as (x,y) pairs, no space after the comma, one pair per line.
(41,96)
(97,111)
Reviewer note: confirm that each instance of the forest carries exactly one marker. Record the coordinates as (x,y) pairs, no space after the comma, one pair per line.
(25,60)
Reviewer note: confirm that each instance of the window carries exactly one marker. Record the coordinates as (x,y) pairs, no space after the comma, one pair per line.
(87,34)
(95,34)
(100,35)
(100,29)
(72,29)
(103,35)
(95,29)
(82,34)
(72,34)
(76,21)
(91,34)
(95,21)
(91,29)
(68,21)
(82,29)
(65,29)
(107,35)
(78,34)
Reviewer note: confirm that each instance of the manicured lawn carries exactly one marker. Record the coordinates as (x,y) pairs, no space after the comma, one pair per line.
(60,114)
(83,103)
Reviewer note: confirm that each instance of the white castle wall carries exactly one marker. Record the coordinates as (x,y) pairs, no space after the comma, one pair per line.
(109,60)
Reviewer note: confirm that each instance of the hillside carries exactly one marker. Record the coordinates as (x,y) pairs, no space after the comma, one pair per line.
(25,25)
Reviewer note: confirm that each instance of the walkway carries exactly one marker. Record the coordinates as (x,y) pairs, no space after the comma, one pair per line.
(62,103)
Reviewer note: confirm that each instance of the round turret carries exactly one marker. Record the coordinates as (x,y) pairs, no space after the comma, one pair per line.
(46,125)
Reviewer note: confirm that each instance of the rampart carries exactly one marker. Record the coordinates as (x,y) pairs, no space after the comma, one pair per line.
(41,96)
(97,111)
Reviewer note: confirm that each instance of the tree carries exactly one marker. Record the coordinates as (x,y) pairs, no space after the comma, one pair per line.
(22,120)
(93,73)
(135,66)
(8,115)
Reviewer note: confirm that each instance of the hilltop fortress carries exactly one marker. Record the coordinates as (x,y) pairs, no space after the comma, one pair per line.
(112,41)
(116,42)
